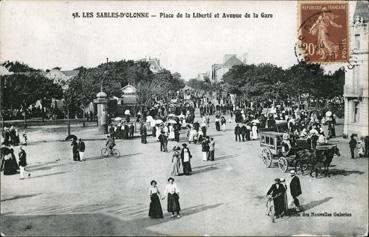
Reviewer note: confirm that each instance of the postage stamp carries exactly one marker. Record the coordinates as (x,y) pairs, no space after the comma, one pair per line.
(323,35)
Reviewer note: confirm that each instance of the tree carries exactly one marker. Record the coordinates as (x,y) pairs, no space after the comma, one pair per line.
(25,89)
(18,67)
(199,84)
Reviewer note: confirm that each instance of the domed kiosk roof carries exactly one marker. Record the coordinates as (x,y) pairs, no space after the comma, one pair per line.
(101,94)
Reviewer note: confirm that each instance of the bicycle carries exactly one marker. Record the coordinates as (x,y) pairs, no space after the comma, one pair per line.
(106,152)
(270,208)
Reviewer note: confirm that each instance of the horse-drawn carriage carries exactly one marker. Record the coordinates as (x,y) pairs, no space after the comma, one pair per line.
(277,149)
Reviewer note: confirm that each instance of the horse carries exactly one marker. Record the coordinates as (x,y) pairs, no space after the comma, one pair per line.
(329,154)
(306,157)
(319,159)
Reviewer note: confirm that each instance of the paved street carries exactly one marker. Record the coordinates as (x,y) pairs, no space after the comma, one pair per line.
(224,197)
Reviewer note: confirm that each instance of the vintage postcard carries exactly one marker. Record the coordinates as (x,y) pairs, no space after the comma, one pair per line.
(184,118)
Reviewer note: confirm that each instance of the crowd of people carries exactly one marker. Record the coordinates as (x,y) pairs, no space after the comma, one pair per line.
(12,138)
(167,122)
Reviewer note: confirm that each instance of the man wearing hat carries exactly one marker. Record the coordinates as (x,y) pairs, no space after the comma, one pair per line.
(276,192)
(295,189)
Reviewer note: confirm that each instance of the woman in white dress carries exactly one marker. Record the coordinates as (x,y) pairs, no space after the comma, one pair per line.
(171,132)
(254,132)
(172,192)
(158,132)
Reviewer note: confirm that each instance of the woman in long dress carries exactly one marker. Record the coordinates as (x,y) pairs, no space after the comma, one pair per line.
(171,132)
(172,192)
(186,158)
(158,132)
(254,132)
(283,182)
(155,210)
(9,162)
(217,124)
(176,161)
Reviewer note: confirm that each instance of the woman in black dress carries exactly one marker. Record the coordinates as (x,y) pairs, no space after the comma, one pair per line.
(155,207)
(9,162)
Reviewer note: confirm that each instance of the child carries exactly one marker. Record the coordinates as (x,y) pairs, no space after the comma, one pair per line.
(22,163)
(360,148)
(25,138)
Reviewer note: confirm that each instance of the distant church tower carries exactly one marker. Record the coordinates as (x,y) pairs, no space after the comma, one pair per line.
(356,79)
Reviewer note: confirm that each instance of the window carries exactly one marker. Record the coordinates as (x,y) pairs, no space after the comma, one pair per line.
(356,112)
(267,140)
(357,41)
(272,141)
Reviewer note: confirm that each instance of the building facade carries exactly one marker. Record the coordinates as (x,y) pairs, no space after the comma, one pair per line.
(154,64)
(356,79)
(218,70)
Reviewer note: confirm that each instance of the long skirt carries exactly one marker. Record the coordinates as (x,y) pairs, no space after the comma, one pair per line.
(204,156)
(10,166)
(176,166)
(187,168)
(155,210)
(217,126)
(285,203)
(173,203)
(279,205)
(143,139)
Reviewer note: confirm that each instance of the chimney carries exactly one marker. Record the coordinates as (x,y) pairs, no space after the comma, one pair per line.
(244,58)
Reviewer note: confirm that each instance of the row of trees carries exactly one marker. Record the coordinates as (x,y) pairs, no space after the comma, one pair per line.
(27,85)
(112,76)
(266,81)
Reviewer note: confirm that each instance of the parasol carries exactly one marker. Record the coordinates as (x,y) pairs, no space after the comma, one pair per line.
(71,137)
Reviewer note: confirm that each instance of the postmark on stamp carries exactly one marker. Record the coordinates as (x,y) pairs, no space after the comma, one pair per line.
(323,35)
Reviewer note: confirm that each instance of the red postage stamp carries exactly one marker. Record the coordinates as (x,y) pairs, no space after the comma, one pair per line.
(323,32)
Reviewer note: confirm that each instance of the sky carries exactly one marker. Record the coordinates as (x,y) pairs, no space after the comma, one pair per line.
(45,34)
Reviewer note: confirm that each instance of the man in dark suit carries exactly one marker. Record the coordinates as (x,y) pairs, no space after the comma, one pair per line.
(176,127)
(295,189)
(237,132)
(162,141)
(243,132)
(131,130)
(276,191)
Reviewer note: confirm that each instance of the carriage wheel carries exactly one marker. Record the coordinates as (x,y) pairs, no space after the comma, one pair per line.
(283,164)
(267,157)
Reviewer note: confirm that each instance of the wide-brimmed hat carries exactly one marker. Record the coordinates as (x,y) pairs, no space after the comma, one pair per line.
(170,178)
(277,180)
(292,172)
(153,181)
(184,144)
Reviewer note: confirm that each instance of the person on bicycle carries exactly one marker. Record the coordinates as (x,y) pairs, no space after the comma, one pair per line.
(110,143)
